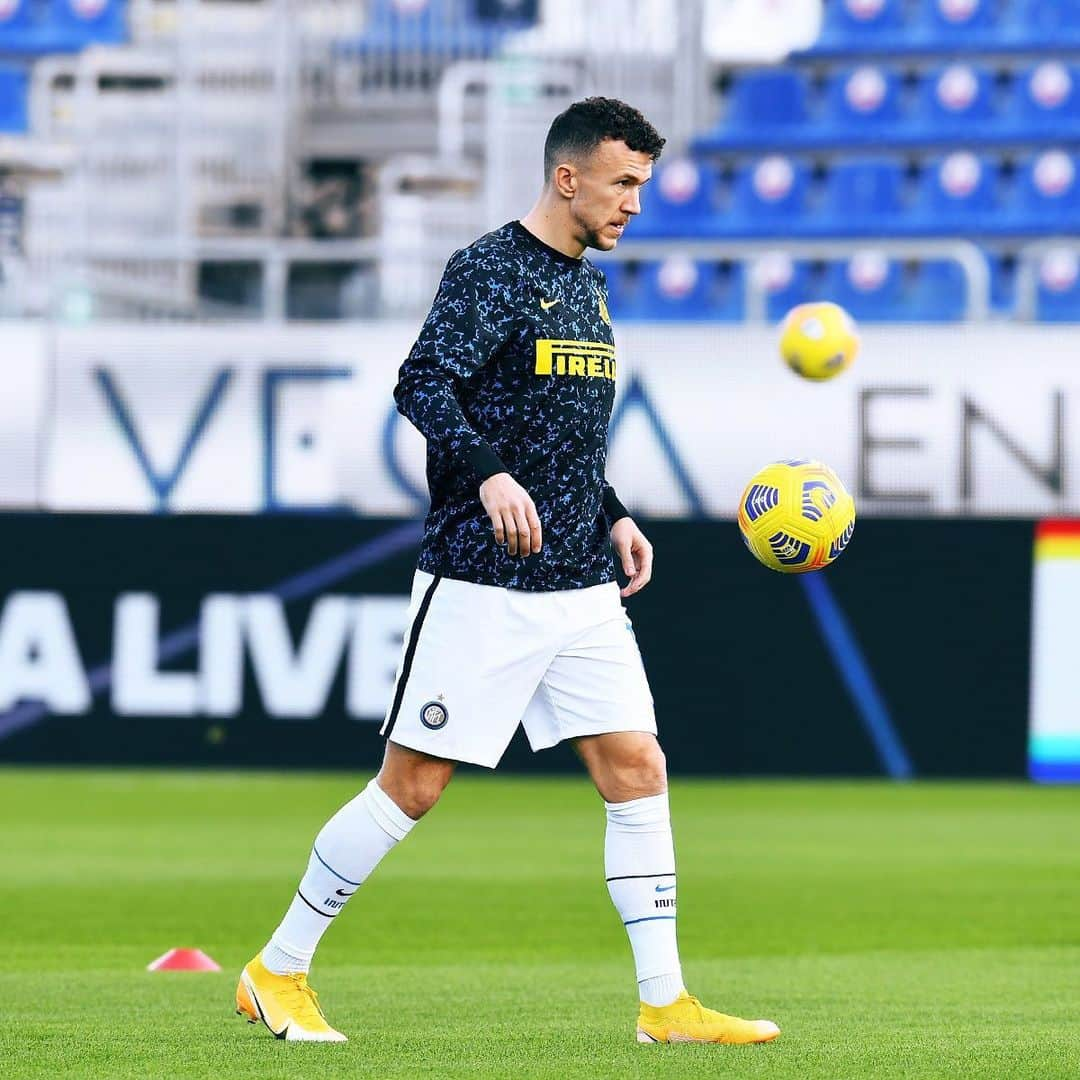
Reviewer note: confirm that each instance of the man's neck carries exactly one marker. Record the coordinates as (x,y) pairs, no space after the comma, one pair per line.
(546,224)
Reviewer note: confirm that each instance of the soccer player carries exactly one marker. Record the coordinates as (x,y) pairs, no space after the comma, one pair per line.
(516,614)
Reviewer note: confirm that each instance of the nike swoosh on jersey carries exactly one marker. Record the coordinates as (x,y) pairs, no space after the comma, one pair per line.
(545,304)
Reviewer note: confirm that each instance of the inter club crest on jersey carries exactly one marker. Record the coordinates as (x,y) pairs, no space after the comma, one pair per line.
(604,314)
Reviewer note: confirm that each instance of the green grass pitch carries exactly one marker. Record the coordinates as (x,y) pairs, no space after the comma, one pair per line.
(891,931)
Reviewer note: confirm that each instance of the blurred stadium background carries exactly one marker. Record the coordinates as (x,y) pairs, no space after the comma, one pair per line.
(221,222)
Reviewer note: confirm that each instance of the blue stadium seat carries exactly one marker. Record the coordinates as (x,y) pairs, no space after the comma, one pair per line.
(769,197)
(680,290)
(953,99)
(36,27)
(869,286)
(1048,99)
(957,193)
(1058,295)
(936,292)
(622,287)
(952,22)
(86,22)
(786,282)
(874,288)
(13,95)
(1047,199)
(1047,23)
(864,197)
(851,25)
(681,200)
(674,290)
(767,101)
(862,103)
(946,27)
(448,28)
(16,21)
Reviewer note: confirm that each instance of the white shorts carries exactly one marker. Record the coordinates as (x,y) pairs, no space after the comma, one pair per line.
(480,659)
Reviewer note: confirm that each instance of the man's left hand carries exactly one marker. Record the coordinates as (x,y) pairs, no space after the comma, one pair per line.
(634,553)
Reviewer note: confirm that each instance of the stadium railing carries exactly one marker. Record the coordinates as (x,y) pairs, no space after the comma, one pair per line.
(200,162)
(179,137)
(970,261)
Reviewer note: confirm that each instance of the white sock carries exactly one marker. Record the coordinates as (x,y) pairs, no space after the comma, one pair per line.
(639,862)
(351,844)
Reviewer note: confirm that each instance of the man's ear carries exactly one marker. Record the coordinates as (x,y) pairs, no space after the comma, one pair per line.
(565,180)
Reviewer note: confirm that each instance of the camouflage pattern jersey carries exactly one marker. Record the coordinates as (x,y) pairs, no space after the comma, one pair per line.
(514,371)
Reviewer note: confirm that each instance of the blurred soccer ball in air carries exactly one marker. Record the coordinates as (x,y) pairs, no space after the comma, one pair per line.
(796,516)
(818,340)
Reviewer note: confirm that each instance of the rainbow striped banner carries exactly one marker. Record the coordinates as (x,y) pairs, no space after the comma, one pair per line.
(1054,737)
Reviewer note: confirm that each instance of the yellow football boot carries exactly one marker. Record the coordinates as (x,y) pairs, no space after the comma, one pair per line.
(284,1003)
(687,1020)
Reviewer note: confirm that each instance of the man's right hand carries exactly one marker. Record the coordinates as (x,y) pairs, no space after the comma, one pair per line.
(513,514)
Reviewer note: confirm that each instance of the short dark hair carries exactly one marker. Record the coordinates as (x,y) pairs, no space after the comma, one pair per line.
(580,129)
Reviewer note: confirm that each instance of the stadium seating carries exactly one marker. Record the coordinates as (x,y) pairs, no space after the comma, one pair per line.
(851,25)
(765,106)
(953,99)
(1047,21)
(770,196)
(676,290)
(909,119)
(681,200)
(621,286)
(929,27)
(17,20)
(1058,290)
(1048,98)
(864,197)
(76,23)
(861,103)
(13,94)
(1002,282)
(447,28)
(874,288)
(1047,197)
(868,104)
(39,27)
(954,21)
(937,292)
(785,282)
(869,286)
(957,193)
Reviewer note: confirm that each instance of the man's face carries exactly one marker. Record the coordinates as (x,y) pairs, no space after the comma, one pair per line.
(608,192)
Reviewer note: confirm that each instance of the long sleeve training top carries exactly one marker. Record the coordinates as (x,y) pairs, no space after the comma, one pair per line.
(514,371)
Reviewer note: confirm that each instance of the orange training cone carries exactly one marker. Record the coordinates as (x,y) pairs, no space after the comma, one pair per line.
(183,960)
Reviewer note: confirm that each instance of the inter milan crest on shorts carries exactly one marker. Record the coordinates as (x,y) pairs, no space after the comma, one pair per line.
(434,715)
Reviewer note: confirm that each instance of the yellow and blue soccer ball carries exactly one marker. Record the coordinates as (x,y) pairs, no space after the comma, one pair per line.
(818,340)
(796,516)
